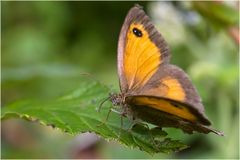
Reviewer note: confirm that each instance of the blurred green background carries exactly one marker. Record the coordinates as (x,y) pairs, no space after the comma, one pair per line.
(46,46)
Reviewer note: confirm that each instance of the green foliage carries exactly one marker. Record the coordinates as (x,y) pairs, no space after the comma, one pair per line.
(76,113)
(218,14)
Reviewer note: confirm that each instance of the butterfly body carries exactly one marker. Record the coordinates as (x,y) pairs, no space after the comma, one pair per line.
(152,89)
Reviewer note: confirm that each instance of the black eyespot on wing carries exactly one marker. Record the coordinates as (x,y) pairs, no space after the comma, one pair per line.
(137,32)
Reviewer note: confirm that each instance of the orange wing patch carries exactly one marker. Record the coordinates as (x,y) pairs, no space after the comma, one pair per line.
(168,88)
(141,58)
(165,106)
(175,90)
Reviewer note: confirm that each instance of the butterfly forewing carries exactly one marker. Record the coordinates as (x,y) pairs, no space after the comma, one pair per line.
(141,50)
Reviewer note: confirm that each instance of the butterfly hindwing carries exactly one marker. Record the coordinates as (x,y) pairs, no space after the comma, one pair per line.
(170,90)
(163,119)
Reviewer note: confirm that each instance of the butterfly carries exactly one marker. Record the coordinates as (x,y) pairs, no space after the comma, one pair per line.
(152,89)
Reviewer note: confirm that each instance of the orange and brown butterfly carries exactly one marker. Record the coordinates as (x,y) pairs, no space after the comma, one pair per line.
(152,89)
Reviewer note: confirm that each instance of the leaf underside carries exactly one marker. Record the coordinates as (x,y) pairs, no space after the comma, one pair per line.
(76,113)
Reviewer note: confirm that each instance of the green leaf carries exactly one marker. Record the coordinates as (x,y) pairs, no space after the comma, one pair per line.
(76,113)
(217,13)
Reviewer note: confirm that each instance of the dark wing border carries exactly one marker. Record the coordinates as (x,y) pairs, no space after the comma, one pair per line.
(137,15)
(202,118)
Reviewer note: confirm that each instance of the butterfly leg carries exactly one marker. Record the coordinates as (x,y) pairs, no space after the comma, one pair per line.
(108,114)
(123,113)
(100,106)
(121,127)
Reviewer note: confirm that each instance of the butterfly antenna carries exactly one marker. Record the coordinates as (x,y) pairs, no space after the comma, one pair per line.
(100,106)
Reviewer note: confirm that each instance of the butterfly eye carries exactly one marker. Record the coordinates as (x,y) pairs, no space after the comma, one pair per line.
(137,32)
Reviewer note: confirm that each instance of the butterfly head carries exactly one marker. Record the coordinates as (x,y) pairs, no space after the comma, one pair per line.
(117,99)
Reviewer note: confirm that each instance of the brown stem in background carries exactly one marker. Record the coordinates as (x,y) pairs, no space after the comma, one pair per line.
(234,33)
